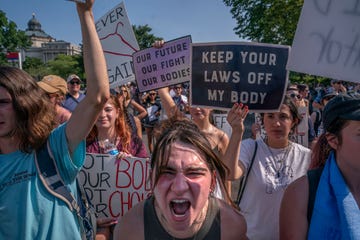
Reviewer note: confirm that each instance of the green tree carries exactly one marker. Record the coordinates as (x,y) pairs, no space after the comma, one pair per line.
(35,67)
(64,65)
(143,36)
(11,39)
(267,21)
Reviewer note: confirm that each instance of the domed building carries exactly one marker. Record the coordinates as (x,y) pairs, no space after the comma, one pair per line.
(44,46)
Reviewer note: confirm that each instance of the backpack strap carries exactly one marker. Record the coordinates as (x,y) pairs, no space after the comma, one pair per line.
(314,179)
(245,177)
(51,179)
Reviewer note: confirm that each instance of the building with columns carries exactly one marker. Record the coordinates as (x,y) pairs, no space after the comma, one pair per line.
(44,46)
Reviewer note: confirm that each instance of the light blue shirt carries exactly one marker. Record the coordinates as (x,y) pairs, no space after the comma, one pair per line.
(27,210)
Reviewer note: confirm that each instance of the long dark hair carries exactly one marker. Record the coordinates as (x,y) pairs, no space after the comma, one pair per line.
(35,114)
(322,149)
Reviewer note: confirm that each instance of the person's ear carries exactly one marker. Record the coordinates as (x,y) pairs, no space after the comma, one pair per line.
(332,140)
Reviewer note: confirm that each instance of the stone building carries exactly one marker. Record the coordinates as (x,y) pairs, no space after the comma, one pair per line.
(44,46)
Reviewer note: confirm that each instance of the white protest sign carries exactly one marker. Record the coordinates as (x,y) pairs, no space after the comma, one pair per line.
(114,186)
(221,122)
(161,67)
(119,43)
(327,40)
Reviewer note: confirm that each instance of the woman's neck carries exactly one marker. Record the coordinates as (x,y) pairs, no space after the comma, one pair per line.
(9,145)
(106,134)
(204,126)
(274,143)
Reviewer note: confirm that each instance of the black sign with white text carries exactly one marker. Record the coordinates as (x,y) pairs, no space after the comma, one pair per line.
(251,73)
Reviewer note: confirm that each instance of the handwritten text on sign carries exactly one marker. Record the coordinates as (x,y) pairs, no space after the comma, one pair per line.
(115,186)
(225,73)
(119,43)
(327,40)
(161,67)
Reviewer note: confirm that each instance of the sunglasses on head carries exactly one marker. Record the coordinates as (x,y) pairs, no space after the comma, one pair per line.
(297,96)
(74,82)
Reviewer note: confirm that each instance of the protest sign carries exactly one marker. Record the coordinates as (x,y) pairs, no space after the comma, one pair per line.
(119,43)
(327,40)
(250,73)
(114,186)
(221,122)
(160,67)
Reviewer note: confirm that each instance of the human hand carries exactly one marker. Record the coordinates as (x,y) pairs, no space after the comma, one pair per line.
(236,117)
(122,155)
(85,5)
(158,44)
(106,222)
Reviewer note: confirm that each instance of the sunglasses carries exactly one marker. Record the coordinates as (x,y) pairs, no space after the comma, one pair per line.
(152,94)
(74,82)
(297,96)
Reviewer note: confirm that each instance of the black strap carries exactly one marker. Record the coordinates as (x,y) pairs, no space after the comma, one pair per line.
(51,179)
(245,177)
(314,179)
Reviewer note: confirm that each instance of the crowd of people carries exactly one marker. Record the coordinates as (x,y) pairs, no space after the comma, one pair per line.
(289,190)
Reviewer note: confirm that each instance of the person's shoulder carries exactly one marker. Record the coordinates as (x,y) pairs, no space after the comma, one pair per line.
(301,148)
(131,224)
(233,224)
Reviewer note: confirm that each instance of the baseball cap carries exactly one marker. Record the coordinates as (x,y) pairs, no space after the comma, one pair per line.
(73,76)
(53,84)
(342,106)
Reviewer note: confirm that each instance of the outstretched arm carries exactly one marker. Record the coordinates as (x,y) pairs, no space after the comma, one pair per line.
(98,93)
(235,118)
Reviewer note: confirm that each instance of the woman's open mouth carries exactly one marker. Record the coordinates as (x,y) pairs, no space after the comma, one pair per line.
(179,207)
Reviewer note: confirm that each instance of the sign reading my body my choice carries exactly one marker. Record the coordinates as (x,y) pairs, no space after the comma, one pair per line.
(160,67)
(225,73)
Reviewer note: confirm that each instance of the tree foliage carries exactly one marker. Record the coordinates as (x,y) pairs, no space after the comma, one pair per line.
(64,65)
(11,39)
(143,36)
(267,21)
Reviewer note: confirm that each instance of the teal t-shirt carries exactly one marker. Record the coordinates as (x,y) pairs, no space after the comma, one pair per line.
(27,210)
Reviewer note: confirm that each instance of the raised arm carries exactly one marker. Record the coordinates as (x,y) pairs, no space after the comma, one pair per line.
(140,109)
(98,93)
(167,102)
(235,118)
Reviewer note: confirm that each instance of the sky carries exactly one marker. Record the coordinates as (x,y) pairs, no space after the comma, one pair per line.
(204,20)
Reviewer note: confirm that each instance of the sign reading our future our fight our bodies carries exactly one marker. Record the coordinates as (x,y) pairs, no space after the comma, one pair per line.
(119,43)
(251,73)
(327,40)
(115,185)
(160,67)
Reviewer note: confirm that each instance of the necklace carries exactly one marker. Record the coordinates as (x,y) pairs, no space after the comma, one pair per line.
(278,163)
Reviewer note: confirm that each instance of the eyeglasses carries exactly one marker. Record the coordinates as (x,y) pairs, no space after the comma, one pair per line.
(297,96)
(152,94)
(74,82)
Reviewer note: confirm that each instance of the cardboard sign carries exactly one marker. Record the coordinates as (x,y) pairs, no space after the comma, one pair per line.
(114,186)
(119,43)
(225,73)
(160,67)
(327,40)
(221,122)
